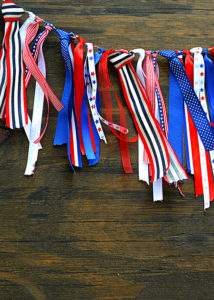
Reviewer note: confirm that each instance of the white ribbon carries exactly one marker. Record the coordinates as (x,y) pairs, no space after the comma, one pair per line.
(36,118)
(143,167)
(199,88)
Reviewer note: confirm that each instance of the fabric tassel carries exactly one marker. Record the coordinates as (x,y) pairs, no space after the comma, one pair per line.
(198,115)
(164,162)
(13,106)
(82,115)
(23,31)
(150,85)
(199,87)
(143,167)
(122,136)
(36,73)
(67,128)
(176,116)
(38,102)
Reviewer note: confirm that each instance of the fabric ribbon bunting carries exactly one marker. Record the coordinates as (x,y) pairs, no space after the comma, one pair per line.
(80,118)
(13,106)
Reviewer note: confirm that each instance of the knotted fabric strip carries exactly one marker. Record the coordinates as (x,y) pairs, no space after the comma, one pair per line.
(67,128)
(199,87)
(144,119)
(143,166)
(35,127)
(161,156)
(198,115)
(13,104)
(176,116)
(23,31)
(91,84)
(36,73)
(105,88)
(150,87)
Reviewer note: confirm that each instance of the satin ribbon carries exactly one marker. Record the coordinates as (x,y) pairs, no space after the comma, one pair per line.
(38,102)
(67,128)
(13,104)
(80,91)
(176,116)
(198,115)
(90,95)
(36,73)
(91,85)
(161,155)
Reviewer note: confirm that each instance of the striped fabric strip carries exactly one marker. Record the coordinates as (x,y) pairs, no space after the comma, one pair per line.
(33,68)
(13,104)
(35,126)
(143,117)
(164,162)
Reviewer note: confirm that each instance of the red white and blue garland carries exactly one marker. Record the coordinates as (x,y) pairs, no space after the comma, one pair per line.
(80,125)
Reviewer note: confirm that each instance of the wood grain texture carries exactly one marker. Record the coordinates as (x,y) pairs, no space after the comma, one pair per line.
(96,234)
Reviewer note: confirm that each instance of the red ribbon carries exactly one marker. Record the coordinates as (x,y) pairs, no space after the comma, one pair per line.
(189,67)
(79,84)
(105,85)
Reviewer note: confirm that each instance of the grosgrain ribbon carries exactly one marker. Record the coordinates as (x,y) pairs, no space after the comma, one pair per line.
(13,104)
(67,128)
(38,102)
(36,73)
(143,166)
(161,156)
(105,86)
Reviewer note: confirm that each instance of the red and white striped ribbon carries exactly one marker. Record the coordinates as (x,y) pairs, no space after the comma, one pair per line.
(34,70)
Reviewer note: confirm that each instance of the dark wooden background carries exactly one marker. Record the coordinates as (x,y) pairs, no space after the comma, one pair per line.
(97,234)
